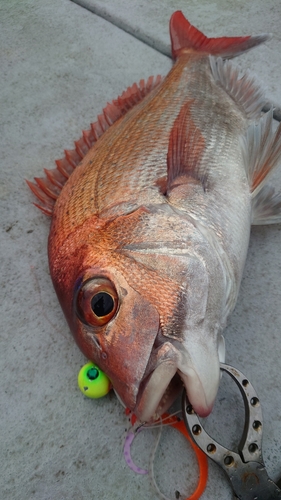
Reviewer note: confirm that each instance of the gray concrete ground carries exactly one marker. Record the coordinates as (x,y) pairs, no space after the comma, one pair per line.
(60,64)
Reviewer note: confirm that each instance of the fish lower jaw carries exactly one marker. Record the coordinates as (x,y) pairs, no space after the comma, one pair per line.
(154,399)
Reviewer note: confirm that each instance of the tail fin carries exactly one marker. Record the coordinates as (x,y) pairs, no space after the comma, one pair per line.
(185,36)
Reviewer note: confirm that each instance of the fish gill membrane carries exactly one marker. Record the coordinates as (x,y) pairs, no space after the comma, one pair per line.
(151,216)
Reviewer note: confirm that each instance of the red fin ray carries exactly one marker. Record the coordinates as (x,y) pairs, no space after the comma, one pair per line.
(64,167)
(111,113)
(55,176)
(185,36)
(46,200)
(45,209)
(81,148)
(186,148)
(88,137)
(72,157)
(48,187)
(96,130)
(103,123)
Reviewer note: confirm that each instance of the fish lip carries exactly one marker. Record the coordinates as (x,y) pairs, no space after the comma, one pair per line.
(165,398)
(160,384)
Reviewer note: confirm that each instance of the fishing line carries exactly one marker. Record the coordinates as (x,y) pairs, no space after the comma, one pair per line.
(132,433)
(163,421)
(151,464)
(174,421)
(127,453)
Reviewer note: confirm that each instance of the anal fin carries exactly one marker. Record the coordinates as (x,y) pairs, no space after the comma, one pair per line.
(266,206)
(262,155)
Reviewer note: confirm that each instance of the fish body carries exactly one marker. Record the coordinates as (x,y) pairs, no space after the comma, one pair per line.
(149,234)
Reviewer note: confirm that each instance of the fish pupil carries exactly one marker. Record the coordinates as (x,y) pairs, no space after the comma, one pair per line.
(102,304)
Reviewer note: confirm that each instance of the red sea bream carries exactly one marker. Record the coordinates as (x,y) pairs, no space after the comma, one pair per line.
(151,217)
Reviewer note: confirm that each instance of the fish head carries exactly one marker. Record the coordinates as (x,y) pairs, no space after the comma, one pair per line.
(141,316)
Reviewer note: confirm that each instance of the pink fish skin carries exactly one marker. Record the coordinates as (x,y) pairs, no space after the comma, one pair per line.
(151,217)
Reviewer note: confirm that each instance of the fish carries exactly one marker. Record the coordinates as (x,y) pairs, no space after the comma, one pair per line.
(150,221)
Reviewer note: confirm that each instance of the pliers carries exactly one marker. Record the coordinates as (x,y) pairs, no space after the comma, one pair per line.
(245,469)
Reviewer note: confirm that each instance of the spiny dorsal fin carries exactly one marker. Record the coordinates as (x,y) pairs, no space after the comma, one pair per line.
(242,89)
(185,36)
(47,189)
(186,147)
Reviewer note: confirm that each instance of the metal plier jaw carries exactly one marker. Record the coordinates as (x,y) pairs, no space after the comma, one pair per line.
(245,469)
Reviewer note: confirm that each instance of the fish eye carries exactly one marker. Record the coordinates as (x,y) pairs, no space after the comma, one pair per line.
(96,302)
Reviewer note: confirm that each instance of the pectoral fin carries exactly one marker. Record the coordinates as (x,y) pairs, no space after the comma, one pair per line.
(186,148)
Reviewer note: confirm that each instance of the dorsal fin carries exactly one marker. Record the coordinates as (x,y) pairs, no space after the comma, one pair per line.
(241,88)
(185,36)
(186,147)
(47,189)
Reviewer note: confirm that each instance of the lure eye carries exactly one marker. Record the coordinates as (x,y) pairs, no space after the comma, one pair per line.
(97,302)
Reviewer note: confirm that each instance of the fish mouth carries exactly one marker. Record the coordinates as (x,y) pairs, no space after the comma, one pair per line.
(159,389)
(158,392)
